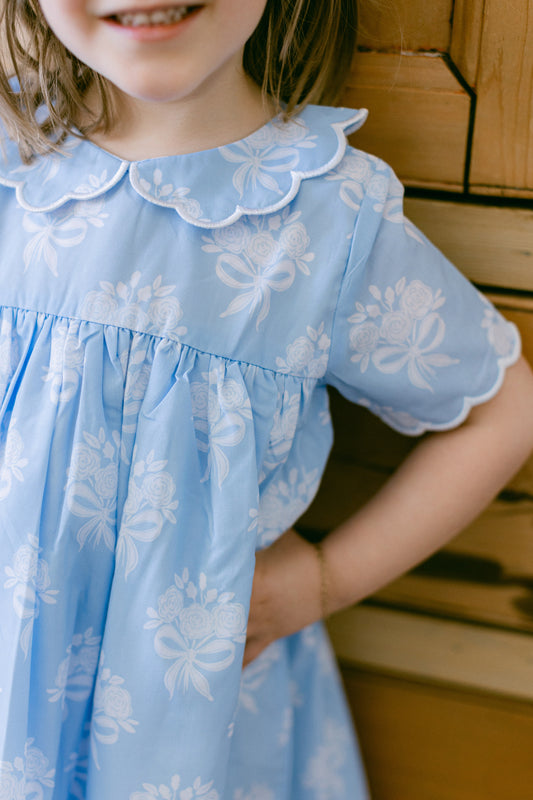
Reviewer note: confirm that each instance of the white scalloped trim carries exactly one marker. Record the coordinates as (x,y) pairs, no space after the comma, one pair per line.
(342,129)
(468,403)
(19,191)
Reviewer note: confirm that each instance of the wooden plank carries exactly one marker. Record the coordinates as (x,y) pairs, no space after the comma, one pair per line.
(502,154)
(466,37)
(491,245)
(405,25)
(433,650)
(422,742)
(419,115)
(484,575)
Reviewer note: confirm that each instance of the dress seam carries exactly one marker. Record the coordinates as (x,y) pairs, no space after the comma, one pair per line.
(161,337)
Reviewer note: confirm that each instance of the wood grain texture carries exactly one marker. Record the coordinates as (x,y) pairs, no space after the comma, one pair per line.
(418,118)
(466,37)
(439,651)
(502,154)
(423,742)
(492,246)
(405,25)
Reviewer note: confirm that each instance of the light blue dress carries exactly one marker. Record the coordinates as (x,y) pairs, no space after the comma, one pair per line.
(167,332)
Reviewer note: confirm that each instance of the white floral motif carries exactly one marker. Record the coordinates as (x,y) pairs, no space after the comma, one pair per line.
(27,775)
(66,362)
(323,772)
(307,355)
(48,166)
(112,710)
(149,503)
(171,196)
(150,308)
(401,329)
(257,263)
(90,491)
(499,333)
(272,149)
(9,354)
(314,638)
(287,724)
(284,425)
(29,576)
(176,791)
(257,792)
(197,629)
(362,174)
(75,674)
(67,229)
(284,501)
(220,408)
(11,461)
(78,766)
(254,676)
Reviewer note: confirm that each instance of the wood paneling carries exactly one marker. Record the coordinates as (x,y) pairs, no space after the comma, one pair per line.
(405,24)
(502,155)
(423,742)
(446,653)
(416,98)
(466,37)
(492,246)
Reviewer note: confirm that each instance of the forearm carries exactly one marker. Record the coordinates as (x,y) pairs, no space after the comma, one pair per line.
(442,485)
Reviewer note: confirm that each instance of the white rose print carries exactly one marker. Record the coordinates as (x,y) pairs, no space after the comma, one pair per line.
(177,791)
(92,480)
(402,329)
(257,792)
(254,676)
(167,194)
(273,149)
(27,775)
(499,333)
(307,355)
(151,308)
(221,408)
(9,354)
(29,577)
(75,674)
(197,629)
(284,501)
(12,462)
(150,501)
(64,371)
(67,229)
(323,774)
(282,433)
(112,710)
(259,263)
(361,174)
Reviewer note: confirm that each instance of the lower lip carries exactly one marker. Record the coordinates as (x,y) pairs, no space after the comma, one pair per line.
(154,33)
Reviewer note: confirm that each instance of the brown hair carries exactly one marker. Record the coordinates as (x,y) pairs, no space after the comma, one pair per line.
(299,53)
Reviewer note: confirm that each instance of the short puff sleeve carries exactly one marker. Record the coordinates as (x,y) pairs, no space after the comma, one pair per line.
(412,339)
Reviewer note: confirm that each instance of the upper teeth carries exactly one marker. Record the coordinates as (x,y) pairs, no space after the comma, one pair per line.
(159,17)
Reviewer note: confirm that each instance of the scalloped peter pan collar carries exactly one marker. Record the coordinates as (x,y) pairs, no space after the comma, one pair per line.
(259,174)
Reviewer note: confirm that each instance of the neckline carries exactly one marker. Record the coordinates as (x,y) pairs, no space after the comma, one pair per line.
(259,173)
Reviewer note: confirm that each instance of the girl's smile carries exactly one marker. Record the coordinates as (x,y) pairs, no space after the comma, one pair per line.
(177,68)
(153,24)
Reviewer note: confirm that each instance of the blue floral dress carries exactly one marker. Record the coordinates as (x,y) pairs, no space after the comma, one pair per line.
(167,332)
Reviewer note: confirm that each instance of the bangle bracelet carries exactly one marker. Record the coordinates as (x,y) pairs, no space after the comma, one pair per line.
(324,593)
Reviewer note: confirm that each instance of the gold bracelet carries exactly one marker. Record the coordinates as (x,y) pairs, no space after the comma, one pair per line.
(324,593)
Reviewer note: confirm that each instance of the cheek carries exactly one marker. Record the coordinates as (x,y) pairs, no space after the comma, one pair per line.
(243,18)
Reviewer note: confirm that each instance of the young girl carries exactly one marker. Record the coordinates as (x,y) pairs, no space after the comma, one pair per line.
(190,254)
